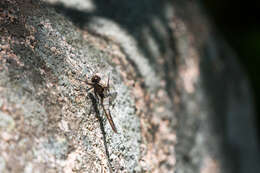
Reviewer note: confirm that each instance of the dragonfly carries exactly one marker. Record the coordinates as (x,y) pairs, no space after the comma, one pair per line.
(101,92)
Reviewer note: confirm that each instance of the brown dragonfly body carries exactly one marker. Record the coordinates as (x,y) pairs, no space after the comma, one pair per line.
(100,92)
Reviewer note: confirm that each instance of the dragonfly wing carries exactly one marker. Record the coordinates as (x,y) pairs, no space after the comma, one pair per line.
(112,97)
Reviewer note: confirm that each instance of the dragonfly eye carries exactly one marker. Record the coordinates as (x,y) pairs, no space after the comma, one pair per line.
(95,79)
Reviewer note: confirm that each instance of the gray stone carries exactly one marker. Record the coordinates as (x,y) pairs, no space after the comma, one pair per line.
(183,103)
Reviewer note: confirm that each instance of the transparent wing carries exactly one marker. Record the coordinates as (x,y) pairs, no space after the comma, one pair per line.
(112,97)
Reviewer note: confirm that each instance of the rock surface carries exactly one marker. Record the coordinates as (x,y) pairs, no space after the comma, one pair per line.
(183,103)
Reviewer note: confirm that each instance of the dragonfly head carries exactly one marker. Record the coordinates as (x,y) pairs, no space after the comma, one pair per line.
(95,79)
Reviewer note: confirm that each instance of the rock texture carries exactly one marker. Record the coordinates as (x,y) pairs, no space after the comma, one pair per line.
(183,103)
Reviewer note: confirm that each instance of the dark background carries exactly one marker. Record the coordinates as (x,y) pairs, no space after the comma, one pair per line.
(238,22)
